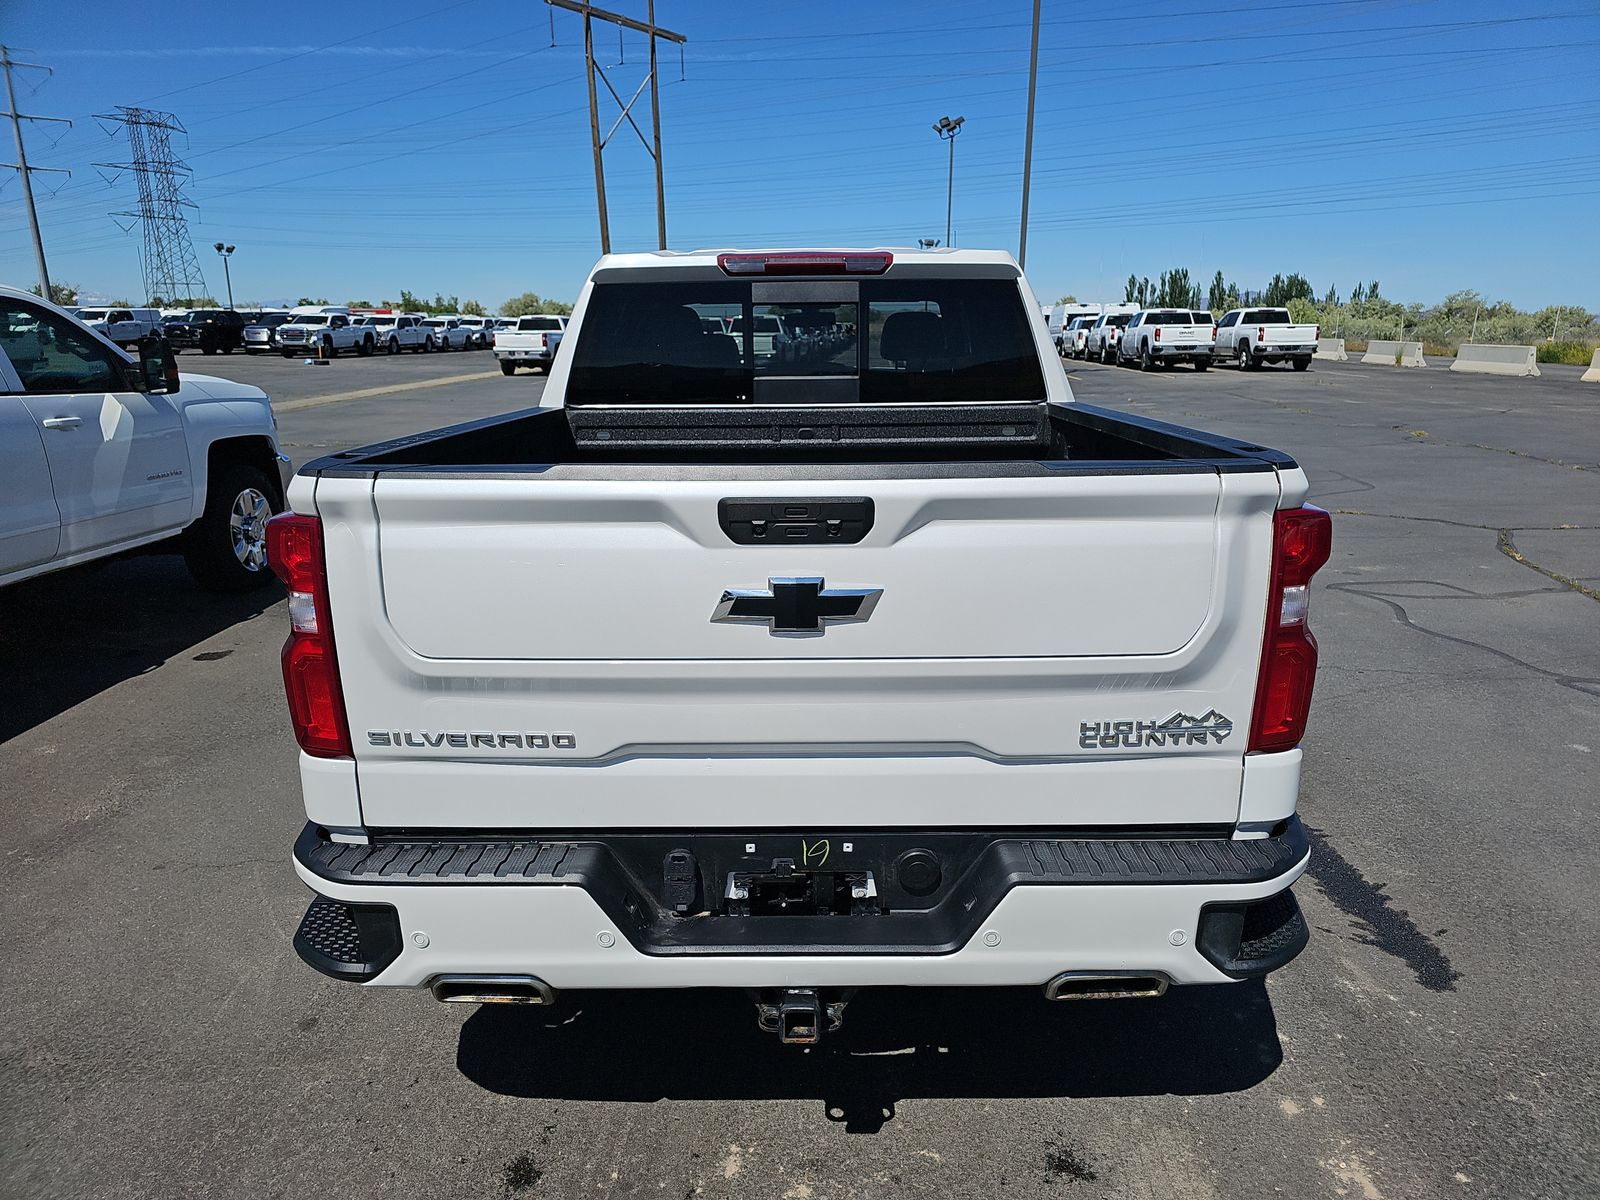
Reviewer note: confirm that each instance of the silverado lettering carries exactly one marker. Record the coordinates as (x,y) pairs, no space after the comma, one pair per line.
(459,739)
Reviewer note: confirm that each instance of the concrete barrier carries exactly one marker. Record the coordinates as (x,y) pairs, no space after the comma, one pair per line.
(1487,358)
(1331,350)
(1384,354)
(1592,375)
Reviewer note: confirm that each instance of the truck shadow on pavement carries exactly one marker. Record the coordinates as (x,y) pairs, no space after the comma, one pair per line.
(68,636)
(895,1045)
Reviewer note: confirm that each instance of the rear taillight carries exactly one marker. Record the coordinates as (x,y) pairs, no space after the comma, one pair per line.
(310,667)
(1316,334)
(1301,541)
(1261,333)
(1158,333)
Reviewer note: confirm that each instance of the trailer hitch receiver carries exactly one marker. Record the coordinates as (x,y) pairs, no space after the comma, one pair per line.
(798,1015)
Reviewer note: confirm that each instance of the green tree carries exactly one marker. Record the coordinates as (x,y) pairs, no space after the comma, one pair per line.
(64,294)
(1131,292)
(1067,300)
(1175,291)
(1303,311)
(1283,289)
(309,300)
(1217,296)
(358,303)
(530,303)
(473,309)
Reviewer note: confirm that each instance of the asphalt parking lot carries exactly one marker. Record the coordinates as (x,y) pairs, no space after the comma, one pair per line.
(1437,1039)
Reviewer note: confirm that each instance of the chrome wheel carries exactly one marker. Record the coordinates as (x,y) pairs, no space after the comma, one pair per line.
(247,522)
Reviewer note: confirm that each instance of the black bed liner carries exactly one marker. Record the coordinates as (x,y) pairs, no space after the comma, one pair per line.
(818,442)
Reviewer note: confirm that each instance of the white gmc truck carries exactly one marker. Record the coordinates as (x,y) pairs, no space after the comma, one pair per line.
(897,667)
(1253,336)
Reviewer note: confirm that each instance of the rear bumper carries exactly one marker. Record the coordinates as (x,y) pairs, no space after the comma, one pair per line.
(524,355)
(1018,912)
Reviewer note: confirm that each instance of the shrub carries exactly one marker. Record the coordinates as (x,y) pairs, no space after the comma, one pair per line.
(1574,353)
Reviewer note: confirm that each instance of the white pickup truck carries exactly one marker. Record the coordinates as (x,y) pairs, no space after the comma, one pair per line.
(1252,336)
(1100,343)
(531,342)
(326,331)
(901,669)
(447,333)
(400,331)
(102,452)
(1162,337)
(124,326)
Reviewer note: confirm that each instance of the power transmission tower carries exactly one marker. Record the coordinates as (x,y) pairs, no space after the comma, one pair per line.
(652,147)
(171,267)
(21,167)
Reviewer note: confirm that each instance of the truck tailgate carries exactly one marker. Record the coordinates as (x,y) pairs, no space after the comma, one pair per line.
(517,647)
(1291,335)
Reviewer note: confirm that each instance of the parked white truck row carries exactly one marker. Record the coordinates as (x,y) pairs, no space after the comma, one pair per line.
(329,329)
(1157,337)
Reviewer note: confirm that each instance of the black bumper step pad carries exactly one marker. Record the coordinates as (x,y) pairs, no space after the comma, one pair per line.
(623,874)
(348,941)
(1252,939)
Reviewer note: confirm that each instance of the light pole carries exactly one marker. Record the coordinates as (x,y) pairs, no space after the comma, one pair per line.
(225,252)
(947,130)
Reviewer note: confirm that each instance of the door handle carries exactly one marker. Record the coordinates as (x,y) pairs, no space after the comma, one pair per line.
(61,422)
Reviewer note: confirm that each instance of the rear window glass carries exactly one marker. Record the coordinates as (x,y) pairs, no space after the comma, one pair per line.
(1267,316)
(537,324)
(1167,316)
(917,341)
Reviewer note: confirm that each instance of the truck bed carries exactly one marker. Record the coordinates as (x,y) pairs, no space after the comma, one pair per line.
(975,440)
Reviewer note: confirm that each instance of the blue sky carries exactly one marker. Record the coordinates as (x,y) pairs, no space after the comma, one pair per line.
(352,150)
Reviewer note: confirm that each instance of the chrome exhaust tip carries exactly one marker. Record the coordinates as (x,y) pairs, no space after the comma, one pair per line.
(491,989)
(1105,985)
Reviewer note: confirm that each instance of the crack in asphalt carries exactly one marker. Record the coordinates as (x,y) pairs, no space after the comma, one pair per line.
(1508,547)
(1584,685)
(1356,512)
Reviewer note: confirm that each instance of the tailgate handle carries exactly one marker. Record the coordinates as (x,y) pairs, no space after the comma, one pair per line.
(761,521)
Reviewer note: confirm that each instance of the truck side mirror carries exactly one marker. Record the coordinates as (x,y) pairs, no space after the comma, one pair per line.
(158,366)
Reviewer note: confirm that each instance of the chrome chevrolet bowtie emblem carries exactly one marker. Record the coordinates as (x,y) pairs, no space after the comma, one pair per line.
(798,605)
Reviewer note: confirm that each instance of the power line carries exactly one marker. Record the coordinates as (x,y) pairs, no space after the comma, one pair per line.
(21,167)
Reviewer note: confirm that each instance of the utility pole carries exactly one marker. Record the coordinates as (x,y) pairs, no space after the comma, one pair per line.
(21,166)
(947,130)
(652,146)
(1027,153)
